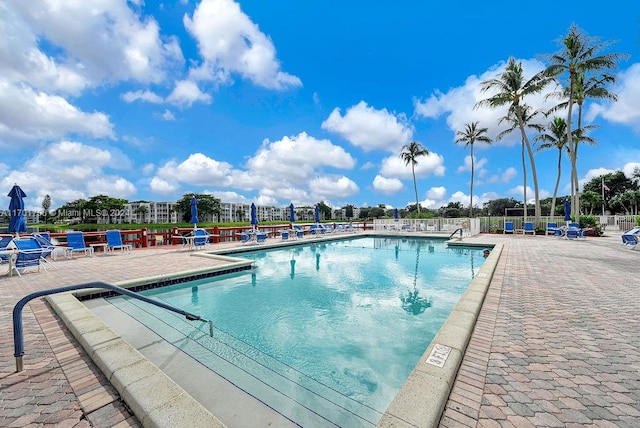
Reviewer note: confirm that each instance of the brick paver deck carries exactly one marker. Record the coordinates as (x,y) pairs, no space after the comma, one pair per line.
(556,343)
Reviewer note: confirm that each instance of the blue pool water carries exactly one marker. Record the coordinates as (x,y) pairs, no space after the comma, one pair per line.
(324,333)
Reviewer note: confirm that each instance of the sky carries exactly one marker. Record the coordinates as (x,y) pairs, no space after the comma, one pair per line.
(289,102)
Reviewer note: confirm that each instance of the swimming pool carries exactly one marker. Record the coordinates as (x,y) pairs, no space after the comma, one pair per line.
(325,333)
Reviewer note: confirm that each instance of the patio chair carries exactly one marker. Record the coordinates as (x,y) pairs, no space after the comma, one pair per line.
(201,238)
(551,228)
(4,243)
(630,240)
(508,227)
(75,241)
(261,237)
(299,232)
(44,239)
(284,234)
(114,242)
(30,255)
(528,228)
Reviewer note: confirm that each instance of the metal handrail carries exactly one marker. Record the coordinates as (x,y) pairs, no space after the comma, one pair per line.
(18,336)
(456,231)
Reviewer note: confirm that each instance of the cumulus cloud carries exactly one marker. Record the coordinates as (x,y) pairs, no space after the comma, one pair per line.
(458,103)
(147,96)
(291,155)
(196,169)
(29,116)
(387,186)
(186,92)
(161,186)
(626,110)
(504,176)
(431,164)
(332,187)
(113,186)
(229,42)
(370,129)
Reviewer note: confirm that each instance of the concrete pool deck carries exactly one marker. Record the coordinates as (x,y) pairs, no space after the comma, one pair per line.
(555,342)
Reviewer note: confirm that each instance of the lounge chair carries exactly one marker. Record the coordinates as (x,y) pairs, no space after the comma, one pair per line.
(574,233)
(261,237)
(75,241)
(508,227)
(299,232)
(528,228)
(201,238)
(30,254)
(551,228)
(284,234)
(44,239)
(630,239)
(4,243)
(114,242)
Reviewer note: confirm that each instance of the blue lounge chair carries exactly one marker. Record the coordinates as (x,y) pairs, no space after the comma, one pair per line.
(551,228)
(528,228)
(75,241)
(299,232)
(284,234)
(201,238)
(261,237)
(4,243)
(508,227)
(44,239)
(30,255)
(630,238)
(114,242)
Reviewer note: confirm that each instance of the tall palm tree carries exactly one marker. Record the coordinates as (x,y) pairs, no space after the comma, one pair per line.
(410,154)
(472,133)
(578,59)
(557,138)
(511,90)
(528,114)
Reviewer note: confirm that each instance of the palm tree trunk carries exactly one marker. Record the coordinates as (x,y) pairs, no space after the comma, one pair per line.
(524,174)
(533,167)
(471,192)
(555,190)
(415,186)
(572,79)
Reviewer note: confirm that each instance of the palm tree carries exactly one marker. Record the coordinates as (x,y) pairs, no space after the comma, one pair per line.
(511,90)
(469,136)
(410,154)
(527,116)
(578,59)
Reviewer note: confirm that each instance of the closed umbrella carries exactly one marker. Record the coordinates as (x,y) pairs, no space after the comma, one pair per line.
(396,214)
(292,213)
(567,210)
(317,214)
(254,216)
(17,222)
(194,211)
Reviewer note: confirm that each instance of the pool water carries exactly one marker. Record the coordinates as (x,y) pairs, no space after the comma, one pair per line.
(324,333)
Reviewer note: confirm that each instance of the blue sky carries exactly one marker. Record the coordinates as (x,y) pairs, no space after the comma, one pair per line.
(288,101)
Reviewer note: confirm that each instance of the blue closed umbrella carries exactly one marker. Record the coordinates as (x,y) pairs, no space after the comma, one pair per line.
(317,214)
(254,216)
(17,222)
(396,214)
(194,211)
(567,210)
(292,214)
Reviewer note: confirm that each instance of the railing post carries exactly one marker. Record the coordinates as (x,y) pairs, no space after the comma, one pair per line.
(144,241)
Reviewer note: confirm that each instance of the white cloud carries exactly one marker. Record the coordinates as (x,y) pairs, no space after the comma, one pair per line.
(196,169)
(167,115)
(431,164)
(370,129)
(458,103)
(161,186)
(113,186)
(29,116)
(504,177)
(387,186)
(147,96)
(104,40)
(186,92)
(478,165)
(332,187)
(296,159)
(229,42)
(626,110)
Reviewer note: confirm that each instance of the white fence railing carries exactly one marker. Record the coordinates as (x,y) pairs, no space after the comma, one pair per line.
(444,226)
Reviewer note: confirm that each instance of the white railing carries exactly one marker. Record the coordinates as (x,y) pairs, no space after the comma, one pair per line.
(443,226)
